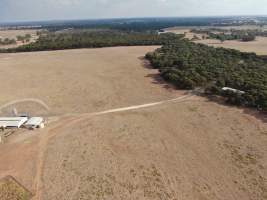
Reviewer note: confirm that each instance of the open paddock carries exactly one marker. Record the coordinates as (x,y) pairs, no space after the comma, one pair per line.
(188,149)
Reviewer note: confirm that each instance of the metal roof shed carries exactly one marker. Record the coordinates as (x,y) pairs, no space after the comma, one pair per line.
(34,122)
(233,90)
(12,122)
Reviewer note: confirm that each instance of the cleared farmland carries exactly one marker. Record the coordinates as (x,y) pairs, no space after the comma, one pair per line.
(79,81)
(191,149)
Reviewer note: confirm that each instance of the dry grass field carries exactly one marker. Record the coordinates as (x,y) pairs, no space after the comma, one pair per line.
(259,46)
(12,34)
(81,81)
(189,149)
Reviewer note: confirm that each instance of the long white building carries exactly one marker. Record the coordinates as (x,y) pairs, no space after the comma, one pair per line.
(12,122)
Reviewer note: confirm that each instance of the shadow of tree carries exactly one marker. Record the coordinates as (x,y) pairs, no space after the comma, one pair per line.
(155,77)
(250,111)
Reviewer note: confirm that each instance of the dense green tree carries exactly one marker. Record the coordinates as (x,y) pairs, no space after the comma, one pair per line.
(188,65)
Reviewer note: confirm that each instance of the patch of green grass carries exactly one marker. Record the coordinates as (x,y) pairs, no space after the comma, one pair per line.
(193,108)
(12,190)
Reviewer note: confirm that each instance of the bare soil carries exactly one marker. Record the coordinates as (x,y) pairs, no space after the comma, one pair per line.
(188,149)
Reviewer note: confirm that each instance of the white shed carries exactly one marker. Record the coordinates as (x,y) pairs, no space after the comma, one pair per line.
(233,90)
(35,122)
(12,122)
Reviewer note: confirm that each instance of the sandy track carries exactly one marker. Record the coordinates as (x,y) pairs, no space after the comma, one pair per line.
(137,107)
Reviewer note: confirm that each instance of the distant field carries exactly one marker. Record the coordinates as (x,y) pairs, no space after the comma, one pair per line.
(12,34)
(259,46)
(182,30)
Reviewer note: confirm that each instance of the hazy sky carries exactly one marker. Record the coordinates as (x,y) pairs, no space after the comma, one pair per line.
(16,10)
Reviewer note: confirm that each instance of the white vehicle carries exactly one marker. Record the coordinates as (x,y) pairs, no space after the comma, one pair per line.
(34,122)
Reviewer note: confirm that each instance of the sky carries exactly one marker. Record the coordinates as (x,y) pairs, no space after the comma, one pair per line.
(34,10)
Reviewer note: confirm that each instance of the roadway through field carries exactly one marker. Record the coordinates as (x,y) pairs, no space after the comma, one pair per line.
(70,121)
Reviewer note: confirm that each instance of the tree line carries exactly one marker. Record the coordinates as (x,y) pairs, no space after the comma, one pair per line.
(188,65)
(93,39)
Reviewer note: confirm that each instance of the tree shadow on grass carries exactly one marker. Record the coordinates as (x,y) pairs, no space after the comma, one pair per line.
(250,111)
(155,77)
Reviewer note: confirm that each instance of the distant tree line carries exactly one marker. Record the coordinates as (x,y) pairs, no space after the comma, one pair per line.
(94,39)
(188,65)
(241,37)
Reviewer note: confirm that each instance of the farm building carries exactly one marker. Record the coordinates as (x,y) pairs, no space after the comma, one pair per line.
(35,122)
(12,122)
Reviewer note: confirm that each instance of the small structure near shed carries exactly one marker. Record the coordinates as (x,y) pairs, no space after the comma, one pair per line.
(34,122)
(12,122)
(233,90)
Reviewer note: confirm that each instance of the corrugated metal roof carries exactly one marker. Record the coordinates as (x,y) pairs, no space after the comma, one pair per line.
(12,121)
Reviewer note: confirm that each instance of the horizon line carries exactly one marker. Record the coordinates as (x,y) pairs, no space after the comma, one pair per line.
(118,18)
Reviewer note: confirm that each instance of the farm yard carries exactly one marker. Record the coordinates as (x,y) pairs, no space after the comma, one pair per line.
(108,138)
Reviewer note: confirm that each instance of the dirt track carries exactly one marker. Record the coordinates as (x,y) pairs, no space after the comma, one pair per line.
(189,149)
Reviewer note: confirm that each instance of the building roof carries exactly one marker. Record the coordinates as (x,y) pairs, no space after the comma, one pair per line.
(12,121)
(34,121)
(233,90)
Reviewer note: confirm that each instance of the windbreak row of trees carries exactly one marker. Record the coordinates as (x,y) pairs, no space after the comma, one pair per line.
(94,39)
(233,34)
(188,65)
(242,37)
